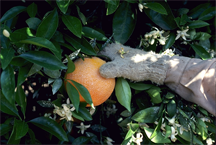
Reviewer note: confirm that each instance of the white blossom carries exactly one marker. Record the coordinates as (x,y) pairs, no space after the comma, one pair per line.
(82,127)
(209,141)
(174,132)
(6,33)
(138,139)
(109,141)
(140,7)
(182,33)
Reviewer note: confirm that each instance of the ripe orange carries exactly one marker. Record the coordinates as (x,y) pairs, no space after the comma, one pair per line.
(87,73)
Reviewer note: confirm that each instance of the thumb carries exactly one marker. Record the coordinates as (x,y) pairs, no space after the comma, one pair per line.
(109,70)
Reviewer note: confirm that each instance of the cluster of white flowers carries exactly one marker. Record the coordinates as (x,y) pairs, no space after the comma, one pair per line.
(138,139)
(168,52)
(152,36)
(66,111)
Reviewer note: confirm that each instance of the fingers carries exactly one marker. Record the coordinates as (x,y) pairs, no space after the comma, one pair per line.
(109,70)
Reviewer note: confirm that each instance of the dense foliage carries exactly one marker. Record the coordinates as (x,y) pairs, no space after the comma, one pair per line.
(39,40)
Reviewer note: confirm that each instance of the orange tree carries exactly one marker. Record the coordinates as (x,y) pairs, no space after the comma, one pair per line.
(41,42)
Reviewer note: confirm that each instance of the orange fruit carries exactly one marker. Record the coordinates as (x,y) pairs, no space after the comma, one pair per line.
(87,73)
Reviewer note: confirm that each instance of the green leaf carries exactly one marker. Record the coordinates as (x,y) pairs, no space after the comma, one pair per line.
(81,140)
(84,92)
(200,51)
(12,139)
(112,8)
(186,136)
(84,113)
(92,33)
(52,73)
(184,19)
(39,41)
(132,129)
(48,26)
(5,128)
(7,107)
(6,56)
(81,44)
(148,115)
(71,66)
(207,14)
(21,128)
(195,12)
(154,93)
(23,73)
(124,21)
(123,93)
(166,22)
(58,48)
(201,36)
(20,98)
(63,5)
(21,34)
(111,2)
(205,44)
(44,59)
(56,85)
(32,10)
(50,126)
(73,24)
(168,131)
(211,127)
(81,16)
(156,7)
(140,86)
(75,115)
(34,69)
(170,41)
(159,138)
(12,13)
(157,129)
(32,136)
(169,95)
(8,83)
(33,23)
(197,24)
(171,108)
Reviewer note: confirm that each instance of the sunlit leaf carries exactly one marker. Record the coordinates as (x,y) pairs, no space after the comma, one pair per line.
(140,86)
(50,126)
(154,93)
(123,93)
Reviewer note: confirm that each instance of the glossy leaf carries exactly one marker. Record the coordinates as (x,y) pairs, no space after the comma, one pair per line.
(211,127)
(12,13)
(111,8)
(202,36)
(81,16)
(50,126)
(32,10)
(7,107)
(168,131)
(12,139)
(21,128)
(157,129)
(56,85)
(81,140)
(23,73)
(92,33)
(76,43)
(20,34)
(8,83)
(20,98)
(171,108)
(34,69)
(169,95)
(39,41)
(132,129)
(195,12)
(5,128)
(33,23)
(48,26)
(83,92)
(186,136)
(123,23)
(170,41)
(52,73)
(58,48)
(71,66)
(166,22)
(84,113)
(205,44)
(200,51)
(197,24)
(63,5)
(157,139)
(148,115)
(154,93)
(207,14)
(140,86)
(6,56)
(73,24)
(156,7)
(123,93)
(44,59)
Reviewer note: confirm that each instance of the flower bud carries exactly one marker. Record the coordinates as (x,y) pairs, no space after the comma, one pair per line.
(6,33)
(152,41)
(140,7)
